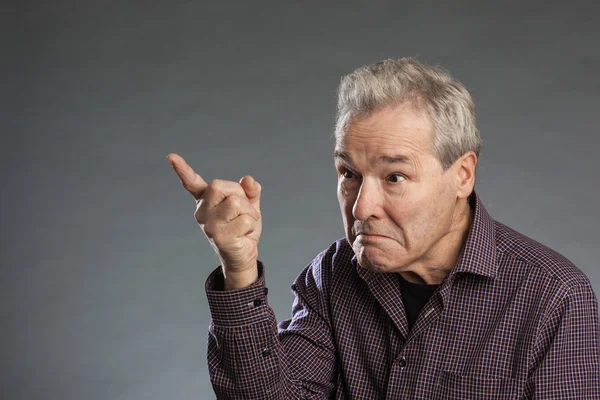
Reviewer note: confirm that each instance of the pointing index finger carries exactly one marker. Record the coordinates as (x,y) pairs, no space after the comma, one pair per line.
(190,180)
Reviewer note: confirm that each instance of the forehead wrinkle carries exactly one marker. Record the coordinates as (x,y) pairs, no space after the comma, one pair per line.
(384,139)
(393,159)
(405,122)
(387,149)
(384,159)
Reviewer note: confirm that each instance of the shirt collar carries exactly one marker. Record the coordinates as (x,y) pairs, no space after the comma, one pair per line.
(479,253)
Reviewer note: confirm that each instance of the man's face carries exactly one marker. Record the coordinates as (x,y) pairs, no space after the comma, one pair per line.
(397,202)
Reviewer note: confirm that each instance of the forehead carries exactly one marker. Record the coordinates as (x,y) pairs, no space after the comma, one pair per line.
(399,130)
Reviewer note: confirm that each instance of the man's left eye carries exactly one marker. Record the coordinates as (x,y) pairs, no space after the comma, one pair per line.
(395,178)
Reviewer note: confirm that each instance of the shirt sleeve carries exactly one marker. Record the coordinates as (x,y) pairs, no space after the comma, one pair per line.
(566,354)
(249,356)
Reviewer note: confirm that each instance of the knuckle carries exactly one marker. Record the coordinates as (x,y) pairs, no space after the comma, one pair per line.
(212,187)
(246,221)
(218,241)
(234,202)
(209,230)
(216,184)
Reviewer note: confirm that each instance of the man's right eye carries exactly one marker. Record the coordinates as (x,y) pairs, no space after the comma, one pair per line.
(346,173)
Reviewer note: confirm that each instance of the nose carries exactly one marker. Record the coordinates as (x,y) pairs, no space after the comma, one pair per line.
(368,202)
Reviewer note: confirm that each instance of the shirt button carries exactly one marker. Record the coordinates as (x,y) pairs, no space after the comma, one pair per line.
(402,362)
(257,302)
(266,352)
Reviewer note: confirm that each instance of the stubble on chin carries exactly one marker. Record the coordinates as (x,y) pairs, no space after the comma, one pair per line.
(362,259)
(367,264)
(367,259)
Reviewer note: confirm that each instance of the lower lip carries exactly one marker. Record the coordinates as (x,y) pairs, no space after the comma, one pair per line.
(374,237)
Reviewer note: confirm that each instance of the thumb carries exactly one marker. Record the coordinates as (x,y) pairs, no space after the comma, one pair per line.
(252,189)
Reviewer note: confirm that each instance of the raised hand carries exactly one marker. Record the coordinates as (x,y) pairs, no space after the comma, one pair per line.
(229,215)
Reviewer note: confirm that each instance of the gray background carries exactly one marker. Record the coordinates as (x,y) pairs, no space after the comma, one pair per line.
(103,265)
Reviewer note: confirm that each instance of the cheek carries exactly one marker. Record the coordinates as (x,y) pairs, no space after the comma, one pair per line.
(413,219)
(346,205)
(346,201)
(428,219)
(403,212)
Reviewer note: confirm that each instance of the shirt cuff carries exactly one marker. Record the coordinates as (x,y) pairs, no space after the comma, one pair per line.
(237,307)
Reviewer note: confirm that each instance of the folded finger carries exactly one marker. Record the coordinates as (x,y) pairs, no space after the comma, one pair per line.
(217,191)
(233,206)
(240,226)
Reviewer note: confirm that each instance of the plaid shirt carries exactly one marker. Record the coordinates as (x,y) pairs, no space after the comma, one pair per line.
(512,320)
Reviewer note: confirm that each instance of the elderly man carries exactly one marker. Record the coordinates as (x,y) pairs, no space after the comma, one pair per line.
(427,297)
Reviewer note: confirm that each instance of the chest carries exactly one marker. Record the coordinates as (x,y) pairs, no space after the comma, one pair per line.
(469,341)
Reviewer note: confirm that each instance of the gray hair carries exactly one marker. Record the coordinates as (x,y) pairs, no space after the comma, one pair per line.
(390,82)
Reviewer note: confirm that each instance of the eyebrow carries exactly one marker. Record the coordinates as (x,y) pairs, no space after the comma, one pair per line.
(384,159)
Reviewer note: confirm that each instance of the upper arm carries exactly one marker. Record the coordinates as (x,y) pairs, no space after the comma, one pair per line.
(566,352)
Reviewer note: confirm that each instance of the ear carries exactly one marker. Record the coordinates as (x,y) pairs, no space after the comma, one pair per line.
(465,174)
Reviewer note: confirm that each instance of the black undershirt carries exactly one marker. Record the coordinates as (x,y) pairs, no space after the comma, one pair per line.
(414,296)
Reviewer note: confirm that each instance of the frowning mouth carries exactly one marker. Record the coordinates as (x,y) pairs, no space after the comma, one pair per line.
(371,235)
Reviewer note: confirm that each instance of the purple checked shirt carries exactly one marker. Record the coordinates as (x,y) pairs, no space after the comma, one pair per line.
(513,320)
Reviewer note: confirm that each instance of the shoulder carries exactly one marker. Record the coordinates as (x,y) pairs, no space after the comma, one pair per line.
(540,261)
(337,257)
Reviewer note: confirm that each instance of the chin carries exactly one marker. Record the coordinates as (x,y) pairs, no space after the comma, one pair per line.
(381,257)
(375,264)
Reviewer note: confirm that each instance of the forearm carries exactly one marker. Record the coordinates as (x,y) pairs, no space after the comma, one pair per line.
(248,362)
(248,358)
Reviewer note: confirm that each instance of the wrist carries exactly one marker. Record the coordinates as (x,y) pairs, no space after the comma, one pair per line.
(240,279)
